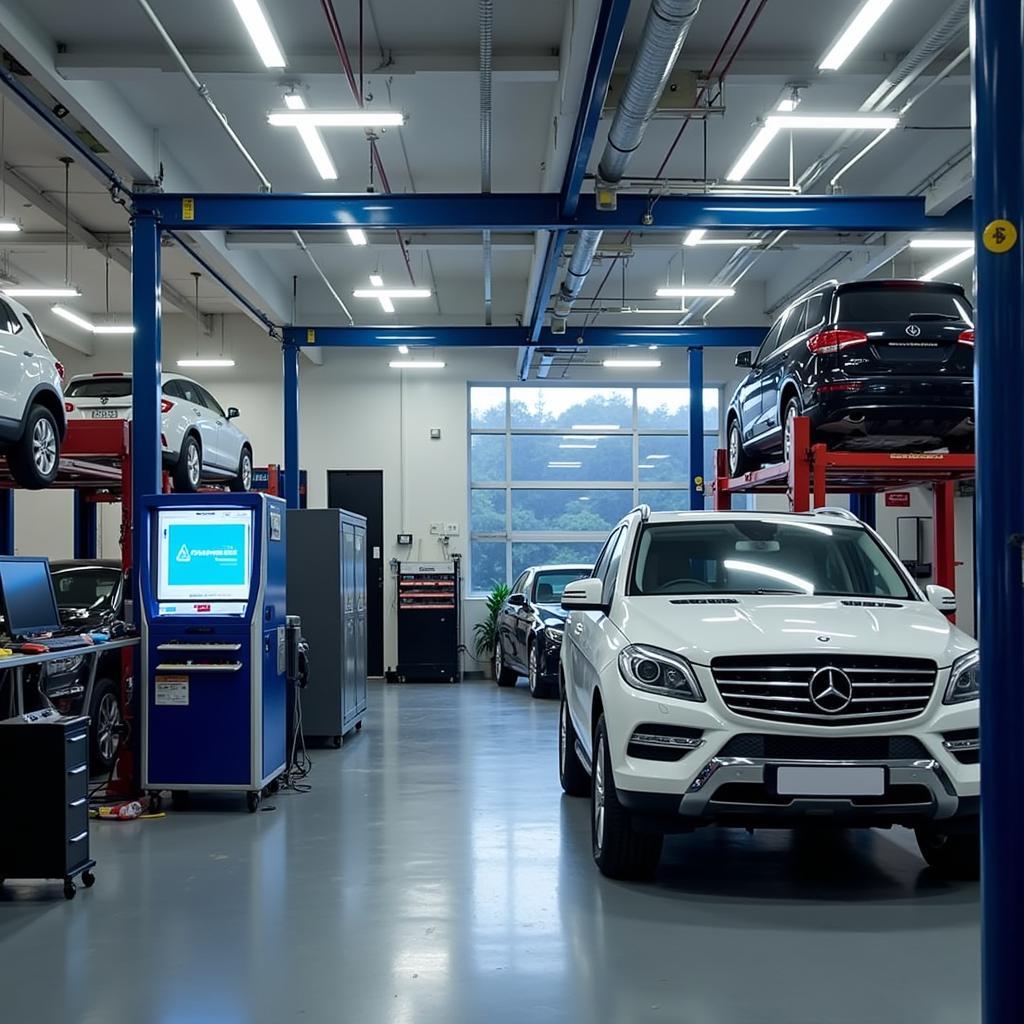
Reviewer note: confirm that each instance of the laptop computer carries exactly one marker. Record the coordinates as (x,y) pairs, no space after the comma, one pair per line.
(29,604)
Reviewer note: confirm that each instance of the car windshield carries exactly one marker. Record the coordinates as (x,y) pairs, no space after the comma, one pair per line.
(549,584)
(902,305)
(100,387)
(733,556)
(84,586)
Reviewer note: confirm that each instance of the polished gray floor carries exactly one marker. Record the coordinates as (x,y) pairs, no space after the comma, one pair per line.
(436,875)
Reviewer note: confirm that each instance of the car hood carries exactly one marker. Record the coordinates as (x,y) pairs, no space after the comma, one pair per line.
(552,614)
(792,624)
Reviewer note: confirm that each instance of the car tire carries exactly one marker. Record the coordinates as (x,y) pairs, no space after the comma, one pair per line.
(571,773)
(953,855)
(620,851)
(243,481)
(104,725)
(35,459)
(739,461)
(188,473)
(790,411)
(539,687)
(503,675)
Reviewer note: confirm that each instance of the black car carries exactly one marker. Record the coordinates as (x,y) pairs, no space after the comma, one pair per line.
(872,363)
(530,625)
(90,596)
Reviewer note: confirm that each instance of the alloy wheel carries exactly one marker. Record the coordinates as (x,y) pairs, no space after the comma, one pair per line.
(563,736)
(734,449)
(108,719)
(246,471)
(44,446)
(497,660)
(533,668)
(599,795)
(787,431)
(194,465)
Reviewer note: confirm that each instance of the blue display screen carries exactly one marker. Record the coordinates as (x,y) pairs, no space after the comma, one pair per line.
(204,555)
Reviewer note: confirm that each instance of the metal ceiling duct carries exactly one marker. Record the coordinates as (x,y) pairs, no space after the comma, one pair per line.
(668,22)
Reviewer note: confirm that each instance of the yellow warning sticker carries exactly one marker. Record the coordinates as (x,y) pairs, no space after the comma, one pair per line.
(310,336)
(188,208)
(999,236)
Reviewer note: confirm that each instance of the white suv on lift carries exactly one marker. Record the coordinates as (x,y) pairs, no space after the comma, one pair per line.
(761,670)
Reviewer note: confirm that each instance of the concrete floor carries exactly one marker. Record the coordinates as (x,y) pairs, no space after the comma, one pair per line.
(435,874)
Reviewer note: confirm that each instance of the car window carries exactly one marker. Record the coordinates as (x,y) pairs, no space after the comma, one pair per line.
(769,343)
(519,587)
(815,311)
(548,585)
(794,324)
(171,388)
(85,587)
(100,387)
(9,322)
(210,402)
(190,392)
(606,552)
(35,328)
(611,569)
(900,303)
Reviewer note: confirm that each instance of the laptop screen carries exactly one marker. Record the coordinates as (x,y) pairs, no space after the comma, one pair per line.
(27,597)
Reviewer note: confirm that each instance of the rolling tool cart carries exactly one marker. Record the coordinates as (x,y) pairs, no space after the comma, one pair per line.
(428,622)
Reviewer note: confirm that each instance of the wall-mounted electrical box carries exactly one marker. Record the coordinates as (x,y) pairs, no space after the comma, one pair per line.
(405,539)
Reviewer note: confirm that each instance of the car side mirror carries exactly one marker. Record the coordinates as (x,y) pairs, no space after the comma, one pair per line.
(942,598)
(233,412)
(517,600)
(744,359)
(584,596)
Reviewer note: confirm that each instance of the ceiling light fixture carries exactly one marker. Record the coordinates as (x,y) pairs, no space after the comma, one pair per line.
(43,293)
(386,304)
(632,363)
(403,350)
(577,446)
(953,261)
(851,122)
(856,29)
(558,464)
(185,363)
(392,293)
(79,321)
(938,243)
(595,426)
(415,364)
(377,281)
(695,293)
(694,237)
(256,23)
(9,227)
(312,140)
(357,236)
(336,118)
(755,147)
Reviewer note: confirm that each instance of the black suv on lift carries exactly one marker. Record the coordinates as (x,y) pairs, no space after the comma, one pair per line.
(872,363)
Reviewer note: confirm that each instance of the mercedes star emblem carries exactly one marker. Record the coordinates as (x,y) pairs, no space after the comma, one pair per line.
(823,639)
(913,330)
(104,400)
(830,690)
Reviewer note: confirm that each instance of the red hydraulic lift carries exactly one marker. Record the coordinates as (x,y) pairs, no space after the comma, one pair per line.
(814,471)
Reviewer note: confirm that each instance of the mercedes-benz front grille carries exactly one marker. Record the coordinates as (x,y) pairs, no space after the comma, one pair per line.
(826,690)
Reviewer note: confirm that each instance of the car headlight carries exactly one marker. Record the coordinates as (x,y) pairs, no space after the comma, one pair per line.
(554,631)
(61,666)
(656,671)
(964,680)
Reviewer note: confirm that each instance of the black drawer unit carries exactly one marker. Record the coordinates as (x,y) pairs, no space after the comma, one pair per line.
(44,798)
(428,622)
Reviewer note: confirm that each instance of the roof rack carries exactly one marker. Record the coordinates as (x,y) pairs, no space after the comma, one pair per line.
(644,510)
(835,510)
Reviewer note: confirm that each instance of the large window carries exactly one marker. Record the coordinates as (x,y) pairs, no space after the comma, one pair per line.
(553,468)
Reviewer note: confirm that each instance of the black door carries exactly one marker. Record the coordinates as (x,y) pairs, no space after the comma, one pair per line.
(362,491)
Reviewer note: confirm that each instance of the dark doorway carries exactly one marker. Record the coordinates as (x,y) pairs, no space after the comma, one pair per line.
(362,491)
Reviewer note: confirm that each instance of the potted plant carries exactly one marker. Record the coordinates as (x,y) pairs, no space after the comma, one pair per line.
(487,629)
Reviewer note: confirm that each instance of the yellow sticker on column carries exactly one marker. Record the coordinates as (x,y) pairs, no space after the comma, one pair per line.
(310,336)
(188,208)
(999,236)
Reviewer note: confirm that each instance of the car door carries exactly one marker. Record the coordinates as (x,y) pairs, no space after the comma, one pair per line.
(775,367)
(229,438)
(202,419)
(748,396)
(19,366)
(508,619)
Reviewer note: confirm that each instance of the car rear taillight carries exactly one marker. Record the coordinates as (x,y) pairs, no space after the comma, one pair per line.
(60,368)
(166,405)
(846,385)
(830,342)
(69,407)
(967,337)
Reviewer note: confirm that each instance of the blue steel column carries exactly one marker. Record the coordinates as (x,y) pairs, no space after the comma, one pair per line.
(695,359)
(6,521)
(86,523)
(146,368)
(999,370)
(291,425)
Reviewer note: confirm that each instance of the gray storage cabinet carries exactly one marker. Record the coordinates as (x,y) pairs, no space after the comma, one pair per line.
(327,590)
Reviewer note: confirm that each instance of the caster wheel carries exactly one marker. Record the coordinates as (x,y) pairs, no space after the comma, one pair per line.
(336,742)
(156,803)
(253,801)
(70,889)
(359,726)
(88,879)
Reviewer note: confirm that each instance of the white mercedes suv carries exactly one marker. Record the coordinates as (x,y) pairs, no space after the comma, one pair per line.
(761,670)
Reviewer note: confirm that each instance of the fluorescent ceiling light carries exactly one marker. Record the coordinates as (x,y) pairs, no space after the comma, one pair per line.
(859,26)
(336,118)
(79,321)
(206,362)
(403,350)
(694,237)
(414,364)
(564,465)
(357,236)
(645,465)
(736,242)
(43,293)
(636,363)
(377,281)
(386,304)
(262,35)
(648,458)
(293,101)
(917,243)
(392,293)
(313,141)
(9,226)
(581,437)
(755,147)
(595,426)
(577,446)
(787,104)
(953,261)
(853,122)
(695,293)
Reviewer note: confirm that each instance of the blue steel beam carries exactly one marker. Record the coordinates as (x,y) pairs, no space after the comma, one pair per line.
(999,439)
(541,212)
(291,424)
(695,362)
(546,284)
(514,337)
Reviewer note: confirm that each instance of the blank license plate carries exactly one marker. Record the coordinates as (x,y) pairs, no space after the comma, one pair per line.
(104,414)
(830,781)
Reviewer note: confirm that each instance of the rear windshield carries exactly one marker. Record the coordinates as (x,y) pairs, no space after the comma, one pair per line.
(755,557)
(100,387)
(84,587)
(871,305)
(548,586)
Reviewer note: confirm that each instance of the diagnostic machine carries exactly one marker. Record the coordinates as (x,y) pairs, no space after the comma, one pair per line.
(213,642)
